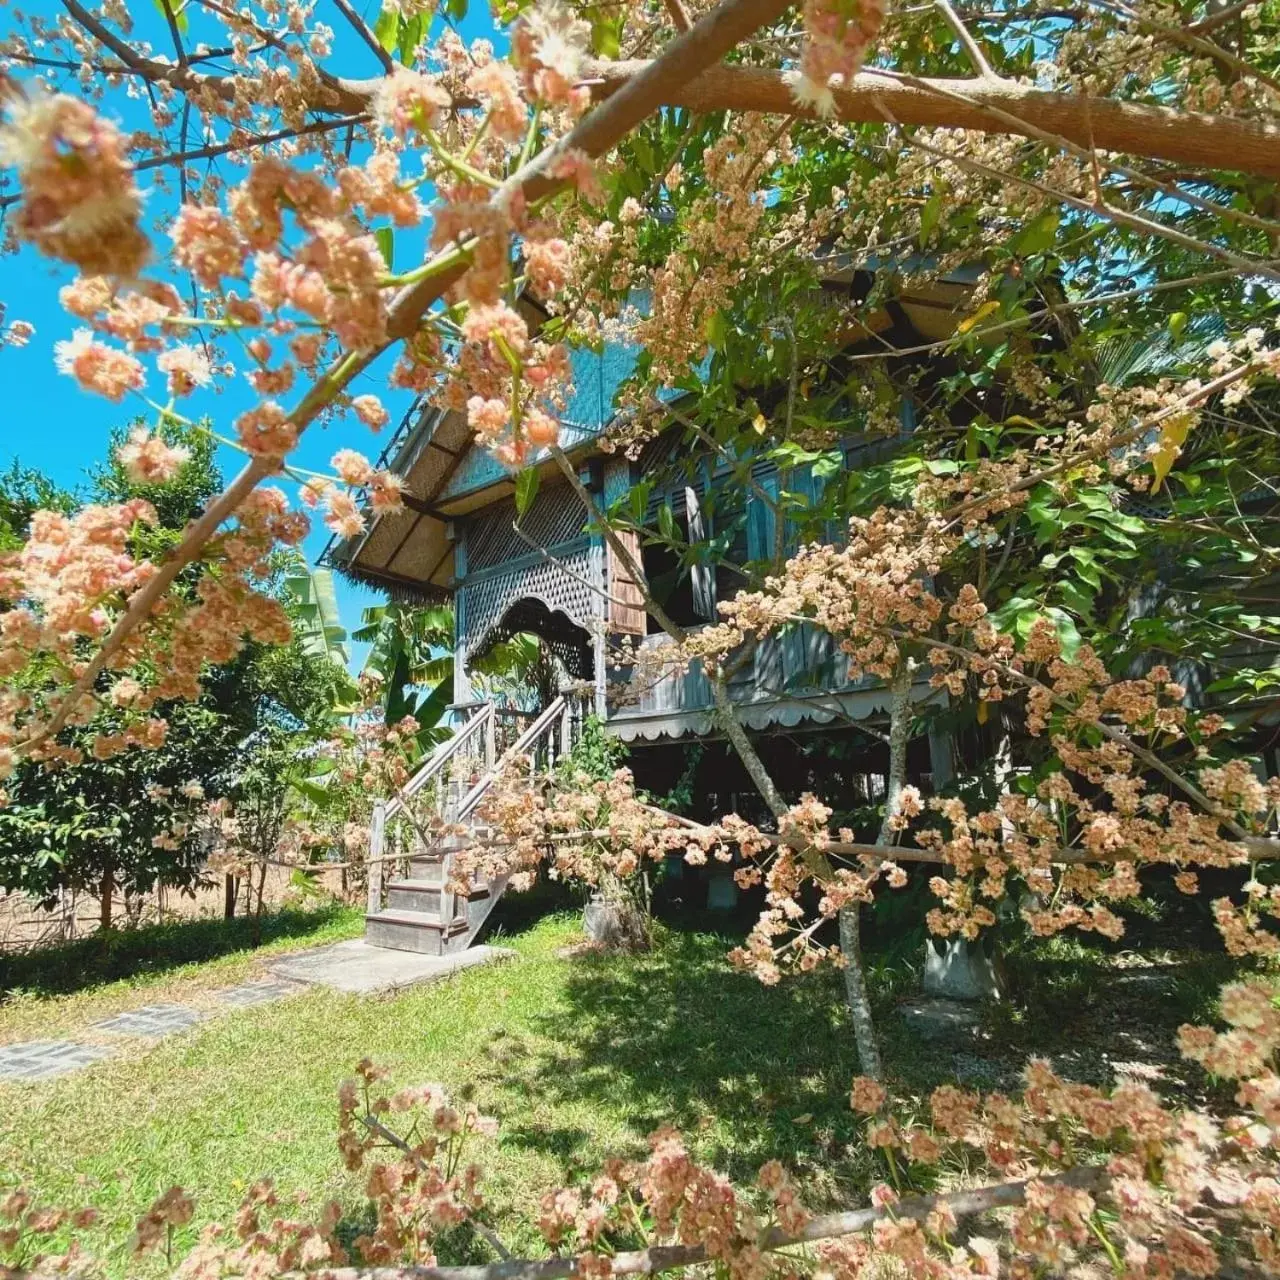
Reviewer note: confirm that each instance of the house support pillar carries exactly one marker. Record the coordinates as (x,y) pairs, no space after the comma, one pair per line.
(954,968)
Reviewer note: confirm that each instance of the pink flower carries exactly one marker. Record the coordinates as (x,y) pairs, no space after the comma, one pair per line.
(386,491)
(344,518)
(267,430)
(148,459)
(494,83)
(867,1095)
(370,411)
(485,325)
(19,333)
(97,367)
(548,263)
(312,493)
(79,200)
(406,102)
(353,467)
(207,243)
(487,418)
(540,429)
(579,170)
(188,368)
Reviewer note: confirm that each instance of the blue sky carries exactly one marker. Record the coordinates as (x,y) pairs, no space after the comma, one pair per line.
(48,423)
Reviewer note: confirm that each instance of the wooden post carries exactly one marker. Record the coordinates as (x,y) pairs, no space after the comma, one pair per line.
(566,727)
(377,831)
(490,737)
(446,895)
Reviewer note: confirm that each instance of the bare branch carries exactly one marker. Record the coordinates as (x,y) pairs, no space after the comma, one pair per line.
(176,35)
(1215,20)
(679,15)
(361,28)
(1195,139)
(967,40)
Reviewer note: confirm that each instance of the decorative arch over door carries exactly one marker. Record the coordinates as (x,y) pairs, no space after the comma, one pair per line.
(568,641)
(552,598)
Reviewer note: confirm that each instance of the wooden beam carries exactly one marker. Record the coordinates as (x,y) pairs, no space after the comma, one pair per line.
(422,508)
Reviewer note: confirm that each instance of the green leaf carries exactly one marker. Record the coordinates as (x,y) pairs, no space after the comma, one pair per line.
(828,465)
(606,37)
(386,238)
(411,32)
(976,317)
(1037,236)
(456,9)
(526,490)
(667,522)
(387,28)
(1086,566)
(717,330)
(317,622)
(1068,635)
(930,214)
(179,15)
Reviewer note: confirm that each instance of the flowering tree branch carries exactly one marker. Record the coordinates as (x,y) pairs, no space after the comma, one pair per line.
(711,38)
(987,103)
(660,1258)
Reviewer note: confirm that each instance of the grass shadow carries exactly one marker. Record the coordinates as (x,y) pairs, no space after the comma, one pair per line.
(749,1072)
(678,1037)
(130,953)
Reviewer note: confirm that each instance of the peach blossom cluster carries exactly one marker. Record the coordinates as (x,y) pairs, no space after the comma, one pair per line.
(148,459)
(80,202)
(1082,1172)
(590,830)
(838,37)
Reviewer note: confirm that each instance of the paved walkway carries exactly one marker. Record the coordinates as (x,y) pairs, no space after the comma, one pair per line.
(44,1059)
(353,967)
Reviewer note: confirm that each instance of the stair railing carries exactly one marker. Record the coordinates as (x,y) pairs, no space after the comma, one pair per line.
(477,732)
(548,739)
(541,731)
(481,721)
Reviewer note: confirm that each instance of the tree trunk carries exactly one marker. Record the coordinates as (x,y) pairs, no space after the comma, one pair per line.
(727,717)
(855,974)
(230,890)
(105,890)
(257,918)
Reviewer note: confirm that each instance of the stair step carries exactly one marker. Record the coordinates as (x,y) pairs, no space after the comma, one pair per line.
(401,930)
(414,895)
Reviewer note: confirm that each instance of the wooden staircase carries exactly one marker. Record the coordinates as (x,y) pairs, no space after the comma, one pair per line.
(414,908)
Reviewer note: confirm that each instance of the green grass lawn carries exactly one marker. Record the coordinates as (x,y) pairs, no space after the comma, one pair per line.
(579,1056)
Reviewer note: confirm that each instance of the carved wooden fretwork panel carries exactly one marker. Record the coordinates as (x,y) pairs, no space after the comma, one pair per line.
(564,585)
(555,517)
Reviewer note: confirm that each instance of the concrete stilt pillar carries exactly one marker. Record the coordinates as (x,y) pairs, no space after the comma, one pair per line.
(955,968)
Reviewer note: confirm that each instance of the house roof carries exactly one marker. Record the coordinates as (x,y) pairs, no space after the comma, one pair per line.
(410,553)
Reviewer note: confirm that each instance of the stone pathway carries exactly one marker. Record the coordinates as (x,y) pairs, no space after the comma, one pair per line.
(152,1020)
(354,967)
(42,1059)
(45,1059)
